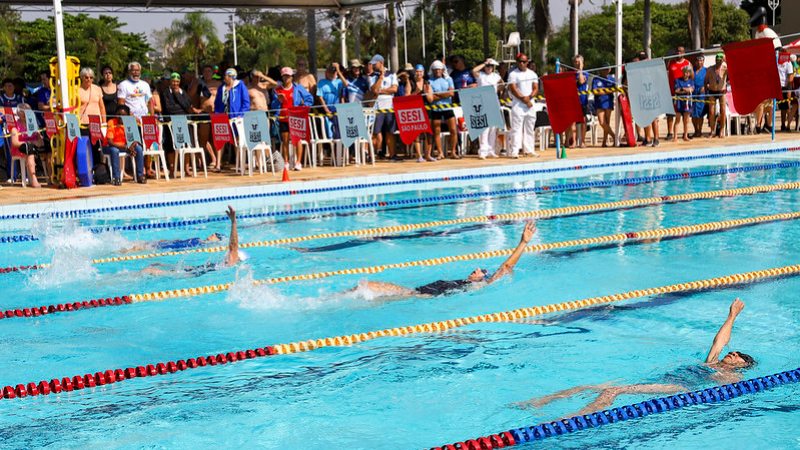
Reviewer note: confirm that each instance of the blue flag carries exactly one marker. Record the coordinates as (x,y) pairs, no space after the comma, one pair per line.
(648,89)
(180,132)
(131,130)
(481,110)
(351,123)
(256,128)
(30,122)
(73,126)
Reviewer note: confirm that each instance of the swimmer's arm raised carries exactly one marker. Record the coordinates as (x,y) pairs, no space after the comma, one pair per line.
(233,243)
(527,234)
(724,334)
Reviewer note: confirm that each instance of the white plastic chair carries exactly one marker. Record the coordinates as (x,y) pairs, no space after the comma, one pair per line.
(23,168)
(190,148)
(733,116)
(320,138)
(247,156)
(157,150)
(364,146)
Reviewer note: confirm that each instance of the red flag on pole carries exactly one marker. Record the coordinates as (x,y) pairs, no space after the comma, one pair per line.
(95,129)
(11,120)
(753,73)
(50,123)
(411,118)
(298,124)
(221,130)
(563,103)
(150,131)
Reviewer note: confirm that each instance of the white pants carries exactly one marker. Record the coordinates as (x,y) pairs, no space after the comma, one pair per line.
(523,137)
(487,140)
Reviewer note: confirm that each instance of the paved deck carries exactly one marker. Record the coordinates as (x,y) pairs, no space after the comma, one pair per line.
(15,194)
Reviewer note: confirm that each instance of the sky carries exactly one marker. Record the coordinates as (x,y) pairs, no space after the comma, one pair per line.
(150,22)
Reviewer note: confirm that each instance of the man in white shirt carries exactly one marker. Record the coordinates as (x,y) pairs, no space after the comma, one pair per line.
(523,84)
(383,85)
(786,74)
(135,93)
(486,76)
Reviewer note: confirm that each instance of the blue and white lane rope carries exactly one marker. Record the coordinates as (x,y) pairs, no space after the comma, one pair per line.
(425,201)
(637,410)
(226,198)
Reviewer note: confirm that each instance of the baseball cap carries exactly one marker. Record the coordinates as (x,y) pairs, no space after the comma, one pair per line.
(287,71)
(437,65)
(376,59)
(355,63)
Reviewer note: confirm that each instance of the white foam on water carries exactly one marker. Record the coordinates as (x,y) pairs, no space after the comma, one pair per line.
(75,238)
(265,297)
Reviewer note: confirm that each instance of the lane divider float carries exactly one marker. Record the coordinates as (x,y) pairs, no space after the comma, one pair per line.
(539,214)
(635,411)
(77,382)
(425,201)
(81,212)
(620,238)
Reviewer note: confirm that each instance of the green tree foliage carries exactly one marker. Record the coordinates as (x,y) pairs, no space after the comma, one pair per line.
(262,46)
(11,60)
(669,30)
(196,35)
(95,42)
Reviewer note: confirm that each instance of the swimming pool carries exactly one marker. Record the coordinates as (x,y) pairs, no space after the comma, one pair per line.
(418,390)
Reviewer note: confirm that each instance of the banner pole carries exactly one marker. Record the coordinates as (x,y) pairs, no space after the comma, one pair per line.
(774,101)
(558,136)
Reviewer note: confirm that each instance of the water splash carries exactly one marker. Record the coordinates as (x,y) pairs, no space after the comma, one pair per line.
(75,238)
(267,298)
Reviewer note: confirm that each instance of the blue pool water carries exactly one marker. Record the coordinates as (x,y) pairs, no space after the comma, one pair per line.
(415,391)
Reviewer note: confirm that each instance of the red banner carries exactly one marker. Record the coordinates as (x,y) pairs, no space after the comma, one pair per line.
(221,130)
(95,129)
(751,66)
(149,131)
(11,119)
(50,123)
(563,103)
(411,117)
(784,58)
(298,124)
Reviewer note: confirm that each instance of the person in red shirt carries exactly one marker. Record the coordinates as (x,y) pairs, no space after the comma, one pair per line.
(116,142)
(289,94)
(676,72)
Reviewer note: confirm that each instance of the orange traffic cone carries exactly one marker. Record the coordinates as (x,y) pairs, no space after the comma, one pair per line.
(286,172)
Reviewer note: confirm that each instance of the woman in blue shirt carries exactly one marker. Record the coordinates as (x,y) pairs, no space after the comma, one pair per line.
(604,103)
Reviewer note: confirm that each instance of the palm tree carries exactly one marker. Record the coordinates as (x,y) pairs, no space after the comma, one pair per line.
(394,59)
(542,27)
(195,30)
(485,12)
(701,19)
(573,24)
(646,28)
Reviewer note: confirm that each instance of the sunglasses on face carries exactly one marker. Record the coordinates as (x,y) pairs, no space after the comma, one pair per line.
(522,61)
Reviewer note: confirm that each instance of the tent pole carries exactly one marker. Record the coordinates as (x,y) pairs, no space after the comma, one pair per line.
(61,52)
(618,70)
(424,60)
(405,34)
(235,51)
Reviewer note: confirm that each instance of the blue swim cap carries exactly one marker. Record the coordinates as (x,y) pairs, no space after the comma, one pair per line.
(219,236)
(420,67)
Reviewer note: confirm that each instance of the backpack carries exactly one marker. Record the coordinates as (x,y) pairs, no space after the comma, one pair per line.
(101,174)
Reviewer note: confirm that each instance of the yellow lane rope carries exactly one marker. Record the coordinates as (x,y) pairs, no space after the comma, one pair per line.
(313,344)
(545,213)
(620,237)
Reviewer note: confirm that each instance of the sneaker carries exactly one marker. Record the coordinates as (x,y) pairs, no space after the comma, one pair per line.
(396,158)
(669,136)
(493,155)
(298,167)
(116,182)
(646,143)
(481,156)
(503,152)
(656,143)
(141,179)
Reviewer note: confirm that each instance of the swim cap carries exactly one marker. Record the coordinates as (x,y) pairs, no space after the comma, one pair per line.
(420,67)
(231,73)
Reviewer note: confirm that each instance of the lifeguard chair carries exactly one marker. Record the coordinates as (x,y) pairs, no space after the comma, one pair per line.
(507,51)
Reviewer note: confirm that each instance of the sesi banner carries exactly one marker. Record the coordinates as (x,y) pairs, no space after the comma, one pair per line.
(149,131)
(73,126)
(95,129)
(256,128)
(351,123)
(481,110)
(11,119)
(563,103)
(411,117)
(30,122)
(648,90)
(298,124)
(50,123)
(752,72)
(131,130)
(221,130)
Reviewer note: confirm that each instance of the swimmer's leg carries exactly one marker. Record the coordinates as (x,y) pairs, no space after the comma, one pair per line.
(152,270)
(385,289)
(566,393)
(607,397)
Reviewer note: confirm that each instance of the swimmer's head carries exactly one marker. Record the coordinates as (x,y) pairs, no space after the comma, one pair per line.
(479,275)
(216,237)
(738,360)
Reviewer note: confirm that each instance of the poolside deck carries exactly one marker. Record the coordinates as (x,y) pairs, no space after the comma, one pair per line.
(10,195)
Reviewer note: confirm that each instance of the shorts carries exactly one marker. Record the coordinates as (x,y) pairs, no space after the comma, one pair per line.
(588,109)
(284,127)
(442,114)
(716,96)
(783,106)
(384,123)
(28,148)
